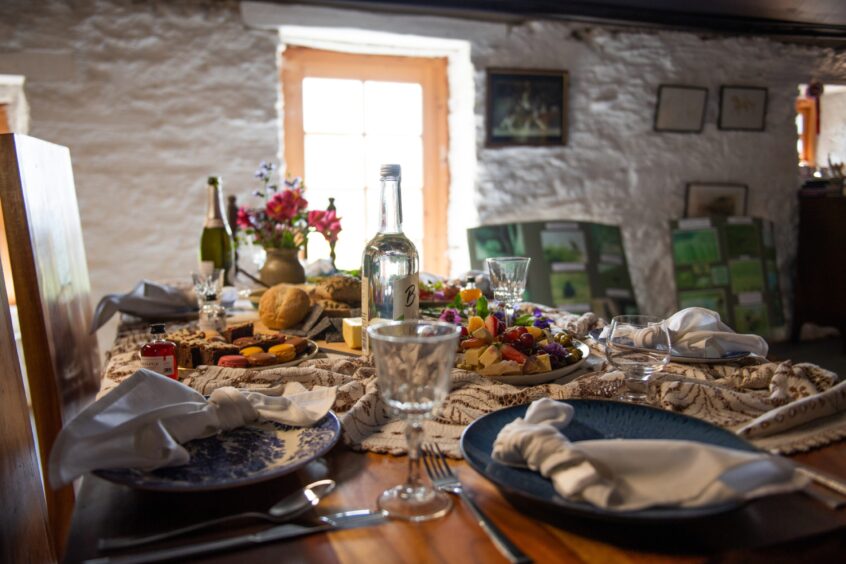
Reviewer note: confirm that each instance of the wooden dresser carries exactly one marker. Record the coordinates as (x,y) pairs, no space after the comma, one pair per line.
(821,264)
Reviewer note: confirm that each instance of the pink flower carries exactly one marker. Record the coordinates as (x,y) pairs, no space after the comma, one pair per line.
(327,223)
(244,221)
(283,206)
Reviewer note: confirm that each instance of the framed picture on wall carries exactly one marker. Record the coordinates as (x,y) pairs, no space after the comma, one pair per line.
(680,109)
(743,108)
(708,199)
(526,107)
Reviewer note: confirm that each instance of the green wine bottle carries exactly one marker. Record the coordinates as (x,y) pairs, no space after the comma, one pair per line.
(217,248)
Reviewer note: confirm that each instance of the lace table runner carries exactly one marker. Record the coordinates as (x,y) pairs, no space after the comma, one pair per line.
(781,407)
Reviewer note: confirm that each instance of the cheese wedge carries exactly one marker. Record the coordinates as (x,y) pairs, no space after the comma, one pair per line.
(352,332)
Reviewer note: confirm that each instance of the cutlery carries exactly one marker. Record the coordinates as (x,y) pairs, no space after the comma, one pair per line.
(822,495)
(284,510)
(445,480)
(345,520)
(821,478)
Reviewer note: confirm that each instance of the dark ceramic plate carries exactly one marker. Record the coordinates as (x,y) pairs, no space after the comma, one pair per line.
(239,457)
(592,420)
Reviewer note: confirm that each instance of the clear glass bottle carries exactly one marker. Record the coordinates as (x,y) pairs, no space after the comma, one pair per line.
(390,266)
(159,355)
(217,248)
(212,314)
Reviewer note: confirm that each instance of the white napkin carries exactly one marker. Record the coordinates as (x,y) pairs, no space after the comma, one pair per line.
(697,331)
(148,300)
(143,421)
(626,475)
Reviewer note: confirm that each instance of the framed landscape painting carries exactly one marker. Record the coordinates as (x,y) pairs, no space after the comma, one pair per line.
(705,200)
(526,107)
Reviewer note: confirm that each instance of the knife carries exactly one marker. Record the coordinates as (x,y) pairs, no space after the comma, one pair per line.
(347,520)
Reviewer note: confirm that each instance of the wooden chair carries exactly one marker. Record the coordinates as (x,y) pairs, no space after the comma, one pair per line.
(52,290)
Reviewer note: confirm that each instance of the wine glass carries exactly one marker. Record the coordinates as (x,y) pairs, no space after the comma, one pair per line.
(508,280)
(413,362)
(639,345)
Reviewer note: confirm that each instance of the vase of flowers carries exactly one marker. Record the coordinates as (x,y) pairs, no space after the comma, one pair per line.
(281,225)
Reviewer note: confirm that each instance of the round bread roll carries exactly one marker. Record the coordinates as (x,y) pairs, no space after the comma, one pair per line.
(340,288)
(283,306)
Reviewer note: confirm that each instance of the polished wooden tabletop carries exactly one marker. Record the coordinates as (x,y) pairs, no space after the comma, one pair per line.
(782,528)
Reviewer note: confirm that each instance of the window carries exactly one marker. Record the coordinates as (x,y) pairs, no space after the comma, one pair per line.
(345,114)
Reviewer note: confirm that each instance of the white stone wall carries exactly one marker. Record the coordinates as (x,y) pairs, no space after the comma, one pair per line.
(151,97)
(832,139)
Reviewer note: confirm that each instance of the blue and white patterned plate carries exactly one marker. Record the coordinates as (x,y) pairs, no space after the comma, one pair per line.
(592,420)
(239,457)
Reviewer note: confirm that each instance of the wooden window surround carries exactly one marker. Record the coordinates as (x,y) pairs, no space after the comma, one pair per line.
(301,62)
(4,119)
(807,110)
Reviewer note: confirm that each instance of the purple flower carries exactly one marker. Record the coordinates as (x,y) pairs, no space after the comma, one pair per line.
(537,312)
(542,323)
(451,315)
(499,314)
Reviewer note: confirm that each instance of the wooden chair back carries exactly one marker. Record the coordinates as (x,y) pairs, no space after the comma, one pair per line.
(24,527)
(52,291)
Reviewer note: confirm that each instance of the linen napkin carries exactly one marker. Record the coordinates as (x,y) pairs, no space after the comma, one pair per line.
(143,422)
(697,331)
(148,300)
(627,475)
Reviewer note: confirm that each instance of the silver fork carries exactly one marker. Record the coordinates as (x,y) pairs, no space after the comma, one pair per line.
(445,480)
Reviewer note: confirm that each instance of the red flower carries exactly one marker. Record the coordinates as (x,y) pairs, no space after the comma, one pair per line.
(285,205)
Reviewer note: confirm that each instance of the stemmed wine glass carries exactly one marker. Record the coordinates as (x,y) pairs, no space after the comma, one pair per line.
(508,280)
(639,345)
(413,362)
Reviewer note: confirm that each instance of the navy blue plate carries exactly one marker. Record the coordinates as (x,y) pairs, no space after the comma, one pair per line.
(242,456)
(593,420)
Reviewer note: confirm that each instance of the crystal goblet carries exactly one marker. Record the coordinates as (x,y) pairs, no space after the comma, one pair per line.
(413,361)
(508,280)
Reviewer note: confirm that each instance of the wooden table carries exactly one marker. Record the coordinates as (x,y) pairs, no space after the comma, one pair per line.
(774,528)
(788,527)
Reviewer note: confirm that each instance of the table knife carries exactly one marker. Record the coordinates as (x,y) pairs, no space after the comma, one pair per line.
(354,519)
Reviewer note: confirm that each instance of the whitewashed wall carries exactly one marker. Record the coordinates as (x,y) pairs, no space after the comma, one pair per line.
(152,97)
(832,139)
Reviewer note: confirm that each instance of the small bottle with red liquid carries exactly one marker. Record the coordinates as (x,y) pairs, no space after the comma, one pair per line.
(159,355)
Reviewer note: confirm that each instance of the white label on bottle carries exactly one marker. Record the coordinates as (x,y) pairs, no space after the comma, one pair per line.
(406,297)
(161,364)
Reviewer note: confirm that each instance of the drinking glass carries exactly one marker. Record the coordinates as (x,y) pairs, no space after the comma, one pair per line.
(508,280)
(638,345)
(413,361)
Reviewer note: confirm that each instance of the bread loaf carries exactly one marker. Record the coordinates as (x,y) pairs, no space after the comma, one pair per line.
(283,306)
(340,288)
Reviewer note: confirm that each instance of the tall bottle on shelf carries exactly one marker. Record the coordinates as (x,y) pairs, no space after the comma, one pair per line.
(390,266)
(217,247)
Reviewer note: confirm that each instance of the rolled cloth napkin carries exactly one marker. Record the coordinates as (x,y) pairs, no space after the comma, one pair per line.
(697,331)
(148,300)
(627,475)
(143,422)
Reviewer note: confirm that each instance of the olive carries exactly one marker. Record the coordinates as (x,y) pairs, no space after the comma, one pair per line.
(564,339)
